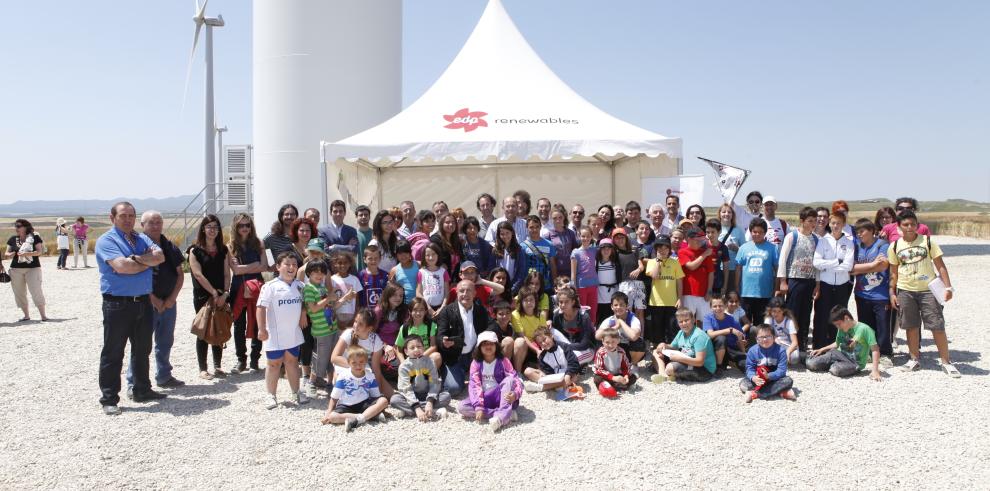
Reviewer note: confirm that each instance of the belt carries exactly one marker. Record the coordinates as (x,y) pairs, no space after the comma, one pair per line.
(138,298)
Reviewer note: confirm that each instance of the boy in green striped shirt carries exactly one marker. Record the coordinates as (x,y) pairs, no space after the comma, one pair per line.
(318,301)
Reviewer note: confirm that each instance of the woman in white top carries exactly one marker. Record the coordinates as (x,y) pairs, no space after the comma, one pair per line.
(834,259)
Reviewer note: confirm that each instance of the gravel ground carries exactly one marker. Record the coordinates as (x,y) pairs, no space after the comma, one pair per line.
(912,430)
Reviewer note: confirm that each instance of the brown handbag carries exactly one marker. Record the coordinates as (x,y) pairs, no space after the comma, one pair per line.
(212,324)
(201,322)
(218,332)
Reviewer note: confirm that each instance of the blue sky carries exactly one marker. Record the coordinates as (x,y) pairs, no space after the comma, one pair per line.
(821,100)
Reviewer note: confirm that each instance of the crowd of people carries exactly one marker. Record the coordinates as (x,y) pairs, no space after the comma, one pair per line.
(412,309)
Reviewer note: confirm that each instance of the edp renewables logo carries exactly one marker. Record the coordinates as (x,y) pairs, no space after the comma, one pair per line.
(468,120)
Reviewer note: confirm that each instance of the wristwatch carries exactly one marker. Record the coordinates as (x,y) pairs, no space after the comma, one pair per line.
(134,258)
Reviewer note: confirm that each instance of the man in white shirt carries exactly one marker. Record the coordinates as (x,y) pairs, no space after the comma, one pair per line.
(408,219)
(543,211)
(458,326)
(673,217)
(776,227)
(509,214)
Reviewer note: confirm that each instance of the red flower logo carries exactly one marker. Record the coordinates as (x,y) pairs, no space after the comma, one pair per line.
(469,120)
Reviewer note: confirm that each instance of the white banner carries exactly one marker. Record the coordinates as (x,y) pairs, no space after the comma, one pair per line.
(690,189)
(728,179)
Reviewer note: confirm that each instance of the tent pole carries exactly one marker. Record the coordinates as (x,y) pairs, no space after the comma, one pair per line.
(611,167)
(379,193)
(324,213)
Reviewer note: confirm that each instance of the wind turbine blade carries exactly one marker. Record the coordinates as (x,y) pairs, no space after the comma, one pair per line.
(189,65)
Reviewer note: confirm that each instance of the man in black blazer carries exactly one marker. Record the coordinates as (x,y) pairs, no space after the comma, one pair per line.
(458,326)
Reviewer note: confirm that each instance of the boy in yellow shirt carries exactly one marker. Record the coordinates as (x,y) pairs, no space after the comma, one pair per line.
(665,293)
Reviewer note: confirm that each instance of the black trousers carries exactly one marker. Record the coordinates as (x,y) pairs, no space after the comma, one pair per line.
(662,325)
(829,296)
(240,340)
(123,320)
(755,309)
(800,293)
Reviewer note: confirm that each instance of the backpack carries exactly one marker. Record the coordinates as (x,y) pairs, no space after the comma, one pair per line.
(418,241)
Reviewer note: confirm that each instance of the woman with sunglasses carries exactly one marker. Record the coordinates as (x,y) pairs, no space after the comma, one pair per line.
(247,262)
(210,270)
(23,248)
(384,236)
(891,231)
(885,216)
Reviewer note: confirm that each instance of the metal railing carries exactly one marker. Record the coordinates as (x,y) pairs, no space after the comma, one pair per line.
(182,227)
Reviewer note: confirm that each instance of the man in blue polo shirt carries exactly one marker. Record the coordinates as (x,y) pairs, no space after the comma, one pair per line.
(125,259)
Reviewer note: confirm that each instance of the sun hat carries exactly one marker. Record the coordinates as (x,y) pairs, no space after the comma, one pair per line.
(619,231)
(487,336)
(606,242)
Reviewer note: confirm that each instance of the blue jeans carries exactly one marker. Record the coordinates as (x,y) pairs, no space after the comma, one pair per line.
(876,314)
(163,327)
(453,381)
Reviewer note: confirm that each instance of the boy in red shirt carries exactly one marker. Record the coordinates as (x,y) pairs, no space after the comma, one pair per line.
(699,272)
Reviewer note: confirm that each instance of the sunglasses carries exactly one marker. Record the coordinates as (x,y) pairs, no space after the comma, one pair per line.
(577,213)
(905,207)
(243,225)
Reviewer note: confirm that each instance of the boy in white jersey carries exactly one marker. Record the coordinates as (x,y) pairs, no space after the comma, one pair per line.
(281,319)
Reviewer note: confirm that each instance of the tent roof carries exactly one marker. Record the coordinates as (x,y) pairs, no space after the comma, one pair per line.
(498,99)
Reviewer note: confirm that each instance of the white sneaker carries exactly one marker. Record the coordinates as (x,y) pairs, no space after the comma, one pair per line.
(271,402)
(532,386)
(381,417)
(311,391)
(350,424)
(111,410)
(300,398)
(442,413)
(494,424)
(398,414)
(515,417)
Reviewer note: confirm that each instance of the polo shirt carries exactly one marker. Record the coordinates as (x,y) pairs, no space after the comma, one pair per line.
(165,275)
(113,244)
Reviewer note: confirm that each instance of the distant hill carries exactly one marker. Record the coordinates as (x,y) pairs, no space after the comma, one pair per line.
(947,206)
(90,206)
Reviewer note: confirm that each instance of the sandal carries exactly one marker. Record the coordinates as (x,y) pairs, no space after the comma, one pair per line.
(205,375)
(911,365)
(217,372)
(24,319)
(950,370)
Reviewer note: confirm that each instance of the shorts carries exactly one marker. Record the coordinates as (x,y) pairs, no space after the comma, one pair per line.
(279,353)
(636,292)
(638,346)
(357,408)
(918,307)
(688,373)
(698,305)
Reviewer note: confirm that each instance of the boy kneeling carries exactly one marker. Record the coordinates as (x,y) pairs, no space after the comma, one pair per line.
(611,364)
(856,344)
(766,368)
(355,392)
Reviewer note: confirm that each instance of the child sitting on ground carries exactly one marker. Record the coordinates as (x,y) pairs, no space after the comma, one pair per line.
(419,392)
(726,334)
(855,344)
(736,311)
(781,320)
(627,325)
(690,357)
(493,389)
(611,364)
(526,320)
(280,323)
(766,368)
(559,368)
(355,393)
(572,327)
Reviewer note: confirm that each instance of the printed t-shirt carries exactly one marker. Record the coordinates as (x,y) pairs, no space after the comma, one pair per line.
(915,262)
(758,261)
(857,343)
(694,343)
(318,321)
(341,286)
(663,291)
(526,324)
(283,304)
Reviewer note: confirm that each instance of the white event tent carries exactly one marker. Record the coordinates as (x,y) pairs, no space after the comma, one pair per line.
(496,121)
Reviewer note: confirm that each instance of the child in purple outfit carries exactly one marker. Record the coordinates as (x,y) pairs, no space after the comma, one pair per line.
(494,389)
